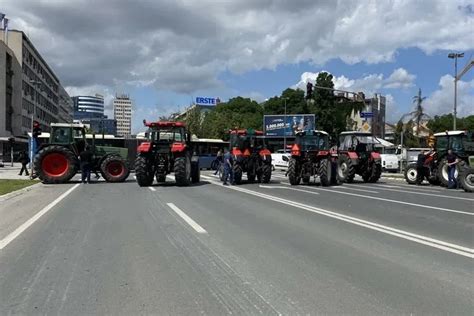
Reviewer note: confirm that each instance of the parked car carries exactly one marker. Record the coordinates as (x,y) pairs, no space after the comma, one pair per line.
(281,158)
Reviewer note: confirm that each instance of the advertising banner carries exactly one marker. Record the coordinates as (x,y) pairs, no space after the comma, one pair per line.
(274,125)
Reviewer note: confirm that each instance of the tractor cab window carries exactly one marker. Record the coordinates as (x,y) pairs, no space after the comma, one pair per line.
(365,143)
(313,142)
(345,143)
(456,143)
(167,135)
(468,142)
(62,135)
(442,143)
(78,133)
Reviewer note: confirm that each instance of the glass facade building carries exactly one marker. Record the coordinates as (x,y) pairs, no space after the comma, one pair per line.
(88,107)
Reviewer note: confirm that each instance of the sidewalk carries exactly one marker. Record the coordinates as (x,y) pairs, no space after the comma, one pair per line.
(11,173)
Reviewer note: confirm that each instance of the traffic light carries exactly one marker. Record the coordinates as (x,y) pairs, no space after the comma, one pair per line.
(36,129)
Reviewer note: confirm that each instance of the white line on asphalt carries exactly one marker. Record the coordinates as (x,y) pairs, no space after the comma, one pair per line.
(405,187)
(17,232)
(286,188)
(152,189)
(391,201)
(187,219)
(428,241)
(419,193)
(354,189)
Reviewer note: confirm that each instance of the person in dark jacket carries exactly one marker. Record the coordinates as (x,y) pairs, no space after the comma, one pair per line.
(420,167)
(228,167)
(452,161)
(24,160)
(85,158)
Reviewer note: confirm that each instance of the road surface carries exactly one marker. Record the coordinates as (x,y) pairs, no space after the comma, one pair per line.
(384,248)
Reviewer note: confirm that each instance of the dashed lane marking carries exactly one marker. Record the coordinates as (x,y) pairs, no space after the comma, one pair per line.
(187,219)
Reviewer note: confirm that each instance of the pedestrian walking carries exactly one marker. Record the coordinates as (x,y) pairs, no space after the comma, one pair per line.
(85,158)
(420,167)
(228,167)
(219,159)
(24,160)
(452,161)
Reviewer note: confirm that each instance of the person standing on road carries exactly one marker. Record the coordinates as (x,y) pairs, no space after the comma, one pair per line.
(219,159)
(85,158)
(420,167)
(228,167)
(24,160)
(452,161)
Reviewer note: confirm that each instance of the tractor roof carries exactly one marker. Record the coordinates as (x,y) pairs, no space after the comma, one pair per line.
(72,125)
(356,133)
(244,132)
(163,124)
(450,133)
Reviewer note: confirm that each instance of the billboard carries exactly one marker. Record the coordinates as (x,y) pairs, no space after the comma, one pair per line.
(274,125)
(207,101)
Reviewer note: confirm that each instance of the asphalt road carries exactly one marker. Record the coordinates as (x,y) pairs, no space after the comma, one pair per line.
(118,249)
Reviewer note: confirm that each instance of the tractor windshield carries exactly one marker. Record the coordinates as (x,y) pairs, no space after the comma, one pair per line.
(170,135)
(61,135)
(313,142)
(246,141)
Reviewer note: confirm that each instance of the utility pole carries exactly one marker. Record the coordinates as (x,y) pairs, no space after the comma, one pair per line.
(455,56)
(284,133)
(32,140)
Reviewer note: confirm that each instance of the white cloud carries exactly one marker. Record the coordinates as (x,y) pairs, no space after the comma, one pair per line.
(369,84)
(441,101)
(184,46)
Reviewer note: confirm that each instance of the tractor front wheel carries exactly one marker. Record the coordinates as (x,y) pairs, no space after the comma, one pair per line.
(346,169)
(182,171)
(143,171)
(466,178)
(195,172)
(114,169)
(55,164)
(325,172)
(375,172)
(237,174)
(293,175)
(411,174)
(266,173)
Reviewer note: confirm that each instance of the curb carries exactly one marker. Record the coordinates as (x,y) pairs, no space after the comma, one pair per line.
(18,192)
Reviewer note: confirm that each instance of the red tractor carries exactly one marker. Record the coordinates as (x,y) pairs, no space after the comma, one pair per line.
(168,149)
(358,155)
(250,156)
(311,157)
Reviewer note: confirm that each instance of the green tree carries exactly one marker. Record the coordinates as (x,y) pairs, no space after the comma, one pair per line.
(194,121)
(236,113)
(409,140)
(441,123)
(295,103)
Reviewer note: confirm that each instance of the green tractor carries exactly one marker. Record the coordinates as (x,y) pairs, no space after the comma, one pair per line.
(57,161)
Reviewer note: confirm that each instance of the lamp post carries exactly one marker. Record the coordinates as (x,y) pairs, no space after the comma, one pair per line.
(455,56)
(33,115)
(284,133)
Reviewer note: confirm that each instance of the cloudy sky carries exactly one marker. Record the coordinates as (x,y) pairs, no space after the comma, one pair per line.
(165,53)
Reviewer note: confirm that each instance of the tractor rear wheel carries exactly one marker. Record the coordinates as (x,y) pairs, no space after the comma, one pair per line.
(325,172)
(55,164)
(143,171)
(346,169)
(195,172)
(237,174)
(182,171)
(443,171)
(266,173)
(411,174)
(114,169)
(293,175)
(466,178)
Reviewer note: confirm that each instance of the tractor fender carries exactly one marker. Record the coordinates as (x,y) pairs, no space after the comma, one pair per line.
(144,147)
(178,147)
(375,155)
(353,155)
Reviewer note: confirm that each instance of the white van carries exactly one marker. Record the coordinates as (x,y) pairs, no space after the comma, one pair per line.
(280,159)
(390,160)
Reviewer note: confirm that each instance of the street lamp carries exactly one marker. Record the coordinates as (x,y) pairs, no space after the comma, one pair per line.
(455,56)
(284,133)
(33,115)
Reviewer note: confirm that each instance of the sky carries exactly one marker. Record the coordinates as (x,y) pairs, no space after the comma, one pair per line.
(165,53)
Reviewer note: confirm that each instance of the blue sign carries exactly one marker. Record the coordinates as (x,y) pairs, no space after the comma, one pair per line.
(274,125)
(366,114)
(207,101)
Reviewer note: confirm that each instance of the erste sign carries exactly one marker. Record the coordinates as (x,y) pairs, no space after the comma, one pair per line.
(207,101)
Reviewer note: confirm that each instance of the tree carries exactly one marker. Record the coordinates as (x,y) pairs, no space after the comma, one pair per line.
(194,121)
(236,113)
(409,140)
(417,115)
(443,123)
(295,103)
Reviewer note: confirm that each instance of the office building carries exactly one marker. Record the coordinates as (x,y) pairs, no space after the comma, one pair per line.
(372,118)
(87,107)
(100,125)
(123,115)
(29,87)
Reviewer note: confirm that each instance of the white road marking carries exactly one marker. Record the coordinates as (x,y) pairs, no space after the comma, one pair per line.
(17,232)
(354,189)
(187,219)
(408,190)
(428,241)
(393,201)
(405,187)
(286,188)
(152,189)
